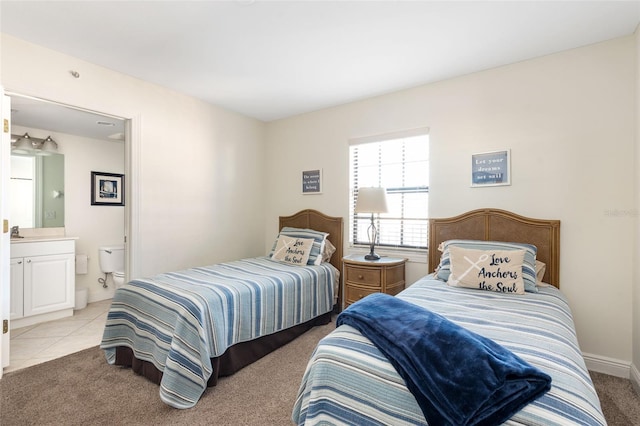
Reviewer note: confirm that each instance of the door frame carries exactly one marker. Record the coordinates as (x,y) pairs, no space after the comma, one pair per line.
(132,157)
(5,290)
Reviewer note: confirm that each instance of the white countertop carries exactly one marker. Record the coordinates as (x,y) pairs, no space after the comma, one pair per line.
(37,239)
(37,235)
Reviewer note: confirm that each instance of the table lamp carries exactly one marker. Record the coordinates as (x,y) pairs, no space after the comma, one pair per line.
(372,200)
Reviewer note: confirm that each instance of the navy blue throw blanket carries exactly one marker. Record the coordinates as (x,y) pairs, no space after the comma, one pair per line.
(458,377)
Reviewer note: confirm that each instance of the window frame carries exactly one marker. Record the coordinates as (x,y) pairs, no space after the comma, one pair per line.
(417,252)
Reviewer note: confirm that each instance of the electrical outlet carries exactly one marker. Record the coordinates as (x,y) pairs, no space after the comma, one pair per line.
(50,214)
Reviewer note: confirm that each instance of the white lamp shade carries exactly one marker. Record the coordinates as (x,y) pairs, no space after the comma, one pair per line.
(23,145)
(49,145)
(371,200)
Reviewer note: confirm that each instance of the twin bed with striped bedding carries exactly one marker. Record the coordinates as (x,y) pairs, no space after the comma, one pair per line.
(349,381)
(410,374)
(180,320)
(185,329)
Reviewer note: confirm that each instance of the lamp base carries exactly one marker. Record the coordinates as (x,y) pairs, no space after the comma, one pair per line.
(372,232)
(372,256)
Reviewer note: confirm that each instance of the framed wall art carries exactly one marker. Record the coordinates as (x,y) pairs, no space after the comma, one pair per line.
(107,189)
(491,168)
(312,181)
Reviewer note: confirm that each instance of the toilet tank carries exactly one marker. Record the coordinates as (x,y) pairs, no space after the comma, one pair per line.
(111,258)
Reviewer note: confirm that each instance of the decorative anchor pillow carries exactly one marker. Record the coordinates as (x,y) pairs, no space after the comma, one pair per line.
(528,267)
(319,240)
(491,270)
(292,250)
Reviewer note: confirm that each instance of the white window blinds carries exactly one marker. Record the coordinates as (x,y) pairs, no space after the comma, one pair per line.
(398,162)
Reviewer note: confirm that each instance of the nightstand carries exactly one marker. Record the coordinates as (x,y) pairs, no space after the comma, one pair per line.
(363,277)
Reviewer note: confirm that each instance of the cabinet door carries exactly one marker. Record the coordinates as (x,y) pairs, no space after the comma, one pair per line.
(49,283)
(17,278)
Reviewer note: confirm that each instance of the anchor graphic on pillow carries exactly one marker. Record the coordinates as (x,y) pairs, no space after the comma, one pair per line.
(473,265)
(285,245)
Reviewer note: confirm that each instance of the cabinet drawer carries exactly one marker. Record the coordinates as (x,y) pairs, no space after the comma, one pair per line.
(356,293)
(42,248)
(395,275)
(364,276)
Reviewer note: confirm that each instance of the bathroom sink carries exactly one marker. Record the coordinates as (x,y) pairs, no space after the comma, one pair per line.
(39,238)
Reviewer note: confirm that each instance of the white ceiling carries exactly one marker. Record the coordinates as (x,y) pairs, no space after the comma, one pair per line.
(39,114)
(269,60)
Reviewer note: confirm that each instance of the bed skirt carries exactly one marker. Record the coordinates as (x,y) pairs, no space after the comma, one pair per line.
(235,357)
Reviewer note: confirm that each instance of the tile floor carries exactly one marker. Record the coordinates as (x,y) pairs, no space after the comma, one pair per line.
(46,341)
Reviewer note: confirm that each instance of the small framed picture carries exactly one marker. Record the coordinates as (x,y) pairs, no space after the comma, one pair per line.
(312,182)
(491,168)
(107,189)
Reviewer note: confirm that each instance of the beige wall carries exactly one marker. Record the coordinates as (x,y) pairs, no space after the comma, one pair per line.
(199,177)
(569,121)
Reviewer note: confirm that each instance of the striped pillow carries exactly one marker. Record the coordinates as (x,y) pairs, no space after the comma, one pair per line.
(319,238)
(528,267)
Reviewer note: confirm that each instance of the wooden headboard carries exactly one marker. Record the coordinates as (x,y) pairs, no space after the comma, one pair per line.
(500,225)
(315,220)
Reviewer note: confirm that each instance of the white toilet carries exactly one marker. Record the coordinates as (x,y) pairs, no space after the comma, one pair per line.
(111,260)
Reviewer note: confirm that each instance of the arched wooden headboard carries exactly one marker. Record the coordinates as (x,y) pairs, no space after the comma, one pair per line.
(500,225)
(318,221)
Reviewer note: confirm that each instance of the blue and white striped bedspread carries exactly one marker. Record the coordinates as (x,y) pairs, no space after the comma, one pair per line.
(180,320)
(348,381)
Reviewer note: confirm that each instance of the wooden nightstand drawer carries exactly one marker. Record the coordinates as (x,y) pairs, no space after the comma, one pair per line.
(363,276)
(356,293)
(395,275)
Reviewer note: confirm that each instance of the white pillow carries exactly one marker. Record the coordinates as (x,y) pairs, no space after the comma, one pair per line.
(292,250)
(541,267)
(492,270)
(328,251)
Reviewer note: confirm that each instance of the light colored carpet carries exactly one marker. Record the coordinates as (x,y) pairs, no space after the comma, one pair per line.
(82,389)
(620,402)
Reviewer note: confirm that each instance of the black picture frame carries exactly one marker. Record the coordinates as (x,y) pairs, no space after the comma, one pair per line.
(107,189)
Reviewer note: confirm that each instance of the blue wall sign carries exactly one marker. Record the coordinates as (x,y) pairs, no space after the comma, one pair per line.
(491,169)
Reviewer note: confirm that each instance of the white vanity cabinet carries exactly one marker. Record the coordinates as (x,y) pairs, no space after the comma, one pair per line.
(16,290)
(42,281)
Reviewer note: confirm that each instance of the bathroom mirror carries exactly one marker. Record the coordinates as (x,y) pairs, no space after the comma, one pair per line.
(37,190)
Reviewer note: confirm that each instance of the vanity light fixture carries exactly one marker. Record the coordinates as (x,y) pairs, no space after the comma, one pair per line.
(49,146)
(24,145)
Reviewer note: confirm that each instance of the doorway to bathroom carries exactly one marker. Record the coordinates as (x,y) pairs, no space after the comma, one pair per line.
(88,141)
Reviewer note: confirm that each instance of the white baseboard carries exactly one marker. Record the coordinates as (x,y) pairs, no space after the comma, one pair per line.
(610,366)
(635,378)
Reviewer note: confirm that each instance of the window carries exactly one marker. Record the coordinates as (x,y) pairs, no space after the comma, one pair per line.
(400,163)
